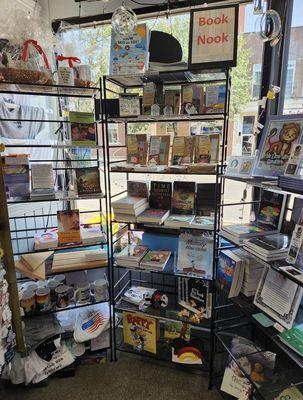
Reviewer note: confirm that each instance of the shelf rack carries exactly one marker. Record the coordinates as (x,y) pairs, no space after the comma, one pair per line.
(21,226)
(166,280)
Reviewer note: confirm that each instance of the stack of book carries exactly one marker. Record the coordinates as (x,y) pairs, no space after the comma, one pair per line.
(83,259)
(128,208)
(155,259)
(252,274)
(33,265)
(136,294)
(268,248)
(230,273)
(131,255)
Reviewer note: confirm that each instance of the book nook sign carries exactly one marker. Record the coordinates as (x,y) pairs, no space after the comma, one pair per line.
(213,37)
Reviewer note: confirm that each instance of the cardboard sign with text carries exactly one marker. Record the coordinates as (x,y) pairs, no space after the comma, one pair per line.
(213,37)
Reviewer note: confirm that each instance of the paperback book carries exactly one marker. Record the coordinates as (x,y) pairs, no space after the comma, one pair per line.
(140,331)
(138,189)
(230,273)
(195,295)
(153,216)
(83,129)
(195,252)
(178,221)
(88,181)
(131,255)
(293,338)
(159,150)
(136,294)
(136,149)
(269,247)
(215,98)
(68,227)
(240,166)
(155,259)
(16,176)
(160,195)
(183,200)
(207,148)
(206,198)
(183,150)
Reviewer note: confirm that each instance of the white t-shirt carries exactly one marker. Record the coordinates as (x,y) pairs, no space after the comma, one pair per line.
(21,129)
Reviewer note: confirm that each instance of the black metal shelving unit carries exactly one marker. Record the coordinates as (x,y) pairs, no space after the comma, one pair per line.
(23,225)
(166,280)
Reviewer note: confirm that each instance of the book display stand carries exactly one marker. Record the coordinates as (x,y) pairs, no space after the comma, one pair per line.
(37,259)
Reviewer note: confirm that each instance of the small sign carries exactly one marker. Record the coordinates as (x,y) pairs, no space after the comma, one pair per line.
(213,37)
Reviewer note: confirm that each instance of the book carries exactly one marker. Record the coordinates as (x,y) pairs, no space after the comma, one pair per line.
(290,393)
(172,101)
(160,195)
(178,221)
(83,259)
(130,212)
(183,150)
(206,198)
(68,227)
(34,260)
(129,53)
(137,189)
(183,199)
(192,99)
(92,234)
(153,216)
(140,331)
(240,166)
(42,177)
(280,136)
(268,220)
(200,222)
(278,297)
(230,273)
(149,97)
(129,203)
(131,255)
(293,338)
(136,149)
(159,146)
(294,163)
(88,181)
(136,294)
(122,217)
(270,247)
(129,105)
(83,128)
(195,252)
(195,295)
(215,96)
(176,329)
(46,240)
(207,148)
(155,259)
(16,176)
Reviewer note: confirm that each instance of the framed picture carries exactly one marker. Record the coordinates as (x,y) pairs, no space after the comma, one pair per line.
(213,37)
(280,136)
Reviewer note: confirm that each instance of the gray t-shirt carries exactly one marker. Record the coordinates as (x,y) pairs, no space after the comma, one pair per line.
(20,129)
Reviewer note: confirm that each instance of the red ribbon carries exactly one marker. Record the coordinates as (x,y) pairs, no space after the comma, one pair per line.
(70,60)
(37,47)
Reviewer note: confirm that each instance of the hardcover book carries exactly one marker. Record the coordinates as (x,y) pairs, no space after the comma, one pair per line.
(195,252)
(207,148)
(129,105)
(183,150)
(83,129)
(68,227)
(160,195)
(293,338)
(136,149)
(156,259)
(159,150)
(230,273)
(206,198)
(88,181)
(195,295)
(280,136)
(140,331)
(153,216)
(137,189)
(183,199)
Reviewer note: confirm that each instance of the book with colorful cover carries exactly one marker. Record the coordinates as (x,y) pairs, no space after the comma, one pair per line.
(140,331)
(83,128)
(195,295)
(68,227)
(88,181)
(136,148)
(293,338)
(129,105)
(16,175)
(207,148)
(160,195)
(129,53)
(195,252)
(176,329)
(155,259)
(136,294)
(215,96)
(153,215)
(159,146)
(183,150)
(183,199)
(137,189)
(230,273)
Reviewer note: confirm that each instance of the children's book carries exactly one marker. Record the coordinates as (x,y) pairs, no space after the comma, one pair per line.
(88,181)
(195,295)
(159,150)
(156,259)
(230,273)
(176,329)
(207,148)
(183,150)
(195,253)
(136,149)
(68,226)
(160,195)
(83,128)
(140,331)
(215,98)
(129,53)
(183,199)
(293,338)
